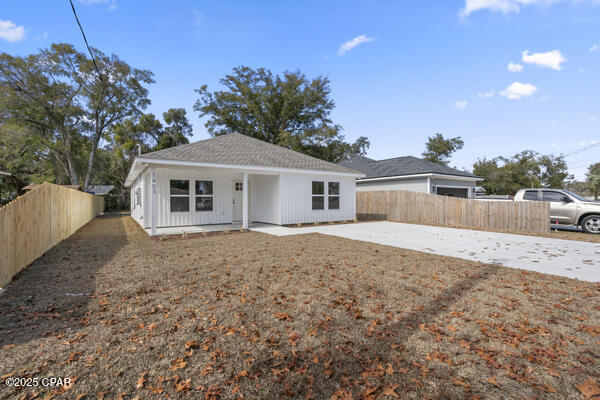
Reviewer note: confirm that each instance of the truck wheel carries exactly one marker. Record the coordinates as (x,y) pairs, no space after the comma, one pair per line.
(591,224)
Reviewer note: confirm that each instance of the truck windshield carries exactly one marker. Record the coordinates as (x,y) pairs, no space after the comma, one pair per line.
(578,197)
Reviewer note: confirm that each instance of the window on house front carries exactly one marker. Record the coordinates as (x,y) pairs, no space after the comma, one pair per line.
(204,195)
(138,197)
(333,195)
(318,195)
(180,195)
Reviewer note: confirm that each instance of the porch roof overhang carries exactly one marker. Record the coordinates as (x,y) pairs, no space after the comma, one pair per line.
(140,164)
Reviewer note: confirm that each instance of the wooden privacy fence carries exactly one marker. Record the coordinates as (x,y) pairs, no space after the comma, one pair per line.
(429,209)
(35,222)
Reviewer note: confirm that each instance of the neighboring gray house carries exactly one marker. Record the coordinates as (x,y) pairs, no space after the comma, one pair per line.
(414,174)
(237,179)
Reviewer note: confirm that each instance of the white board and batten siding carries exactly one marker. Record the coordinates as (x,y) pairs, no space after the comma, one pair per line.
(137,199)
(264,199)
(280,199)
(222,211)
(296,199)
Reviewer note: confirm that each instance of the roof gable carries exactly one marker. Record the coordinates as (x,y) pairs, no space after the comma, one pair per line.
(399,166)
(242,150)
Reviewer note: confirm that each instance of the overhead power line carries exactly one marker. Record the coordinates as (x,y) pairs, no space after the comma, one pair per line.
(577,151)
(89,50)
(584,160)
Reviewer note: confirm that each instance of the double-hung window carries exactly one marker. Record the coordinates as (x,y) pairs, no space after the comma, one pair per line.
(180,195)
(318,195)
(333,195)
(204,195)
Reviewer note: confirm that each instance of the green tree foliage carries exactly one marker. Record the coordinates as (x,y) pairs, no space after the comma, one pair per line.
(439,149)
(593,179)
(504,175)
(142,134)
(289,110)
(554,171)
(57,96)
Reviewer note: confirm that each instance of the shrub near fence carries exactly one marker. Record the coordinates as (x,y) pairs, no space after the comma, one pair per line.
(422,208)
(37,221)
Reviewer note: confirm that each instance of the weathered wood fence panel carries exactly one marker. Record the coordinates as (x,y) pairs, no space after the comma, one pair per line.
(37,221)
(422,208)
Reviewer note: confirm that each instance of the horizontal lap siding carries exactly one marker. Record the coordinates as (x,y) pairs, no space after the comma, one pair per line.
(296,199)
(415,185)
(419,208)
(452,183)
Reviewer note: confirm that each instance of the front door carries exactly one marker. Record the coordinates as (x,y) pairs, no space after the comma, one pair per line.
(238,199)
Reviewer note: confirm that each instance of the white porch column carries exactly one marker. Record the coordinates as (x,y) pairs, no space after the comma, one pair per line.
(153,202)
(245,202)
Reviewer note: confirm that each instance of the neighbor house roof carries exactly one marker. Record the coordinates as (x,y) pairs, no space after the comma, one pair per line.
(100,190)
(236,150)
(400,166)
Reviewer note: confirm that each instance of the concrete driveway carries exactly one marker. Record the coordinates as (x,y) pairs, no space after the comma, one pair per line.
(568,258)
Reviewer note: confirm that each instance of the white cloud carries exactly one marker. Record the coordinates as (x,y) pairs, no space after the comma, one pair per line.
(461,105)
(593,119)
(551,59)
(198,17)
(513,67)
(589,143)
(350,44)
(543,99)
(518,90)
(11,32)
(112,3)
(508,6)
(503,6)
(595,47)
(486,95)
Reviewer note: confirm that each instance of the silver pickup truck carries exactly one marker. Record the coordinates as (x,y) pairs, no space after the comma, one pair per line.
(566,208)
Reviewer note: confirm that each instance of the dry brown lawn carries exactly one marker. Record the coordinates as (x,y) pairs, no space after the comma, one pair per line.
(248,315)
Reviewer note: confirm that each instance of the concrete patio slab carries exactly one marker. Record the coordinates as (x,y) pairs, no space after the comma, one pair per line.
(568,258)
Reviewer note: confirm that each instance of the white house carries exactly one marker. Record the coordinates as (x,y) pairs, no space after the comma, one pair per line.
(237,179)
(413,174)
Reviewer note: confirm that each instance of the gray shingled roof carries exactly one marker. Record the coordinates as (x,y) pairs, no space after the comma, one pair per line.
(399,166)
(237,149)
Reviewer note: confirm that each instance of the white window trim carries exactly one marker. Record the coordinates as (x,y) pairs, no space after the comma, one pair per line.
(180,195)
(324,195)
(204,195)
(334,195)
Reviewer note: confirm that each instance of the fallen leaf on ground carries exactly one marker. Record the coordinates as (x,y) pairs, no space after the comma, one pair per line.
(589,388)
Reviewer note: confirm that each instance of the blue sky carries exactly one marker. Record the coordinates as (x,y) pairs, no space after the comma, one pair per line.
(410,68)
